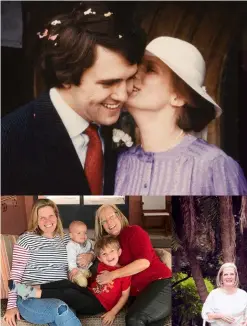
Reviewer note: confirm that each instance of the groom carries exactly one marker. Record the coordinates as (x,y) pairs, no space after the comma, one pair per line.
(61,143)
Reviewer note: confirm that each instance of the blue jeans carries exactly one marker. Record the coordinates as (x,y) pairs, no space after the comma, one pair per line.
(47,311)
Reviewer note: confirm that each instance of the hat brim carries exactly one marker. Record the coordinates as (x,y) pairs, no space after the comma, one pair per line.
(200,90)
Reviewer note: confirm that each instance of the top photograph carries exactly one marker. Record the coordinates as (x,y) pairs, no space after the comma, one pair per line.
(124,98)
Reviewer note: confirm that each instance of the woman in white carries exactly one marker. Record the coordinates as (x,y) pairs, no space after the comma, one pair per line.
(226,305)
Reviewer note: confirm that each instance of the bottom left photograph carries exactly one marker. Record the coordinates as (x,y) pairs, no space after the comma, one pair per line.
(86,260)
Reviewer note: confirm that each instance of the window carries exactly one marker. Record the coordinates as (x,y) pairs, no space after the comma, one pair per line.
(154,202)
(86,200)
(99,200)
(63,200)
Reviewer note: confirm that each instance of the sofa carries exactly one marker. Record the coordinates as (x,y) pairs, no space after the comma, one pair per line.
(7,243)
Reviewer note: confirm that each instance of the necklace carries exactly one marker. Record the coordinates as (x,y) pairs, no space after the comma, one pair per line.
(175,139)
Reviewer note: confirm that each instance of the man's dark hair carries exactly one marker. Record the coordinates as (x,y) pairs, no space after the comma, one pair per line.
(68,42)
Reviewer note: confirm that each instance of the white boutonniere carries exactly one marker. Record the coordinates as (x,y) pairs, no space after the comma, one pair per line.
(121,138)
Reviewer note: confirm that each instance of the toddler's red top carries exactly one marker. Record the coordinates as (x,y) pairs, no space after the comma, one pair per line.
(109,294)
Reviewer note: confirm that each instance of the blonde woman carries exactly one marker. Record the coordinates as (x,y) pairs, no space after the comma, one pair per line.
(40,256)
(227,304)
(150,291)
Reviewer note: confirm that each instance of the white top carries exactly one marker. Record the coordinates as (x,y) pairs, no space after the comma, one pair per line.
(74,124)
(74,249)
(234,305)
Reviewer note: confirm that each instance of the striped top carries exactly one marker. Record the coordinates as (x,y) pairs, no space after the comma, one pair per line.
(193,167)
(38,260)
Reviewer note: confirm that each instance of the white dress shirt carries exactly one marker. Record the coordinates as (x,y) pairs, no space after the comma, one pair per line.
(74,124)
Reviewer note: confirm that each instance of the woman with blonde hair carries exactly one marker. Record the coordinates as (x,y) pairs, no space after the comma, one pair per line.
(40,256)
(227,304)
(150,292)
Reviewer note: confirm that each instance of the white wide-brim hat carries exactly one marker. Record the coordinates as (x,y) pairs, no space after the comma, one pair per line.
(185,60)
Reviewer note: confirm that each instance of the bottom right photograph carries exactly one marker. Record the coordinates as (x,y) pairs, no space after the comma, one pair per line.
(209,255)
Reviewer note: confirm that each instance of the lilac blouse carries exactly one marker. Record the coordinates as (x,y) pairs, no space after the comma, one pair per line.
(193,167)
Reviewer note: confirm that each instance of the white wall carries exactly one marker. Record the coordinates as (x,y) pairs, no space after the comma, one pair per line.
(154,202)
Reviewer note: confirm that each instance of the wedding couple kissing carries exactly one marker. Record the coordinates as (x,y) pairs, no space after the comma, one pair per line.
(95,68)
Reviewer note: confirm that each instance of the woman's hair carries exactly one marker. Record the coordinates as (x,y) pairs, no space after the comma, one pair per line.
(33,221)
(99,229)
(104,242)
(197,112)
(221,271)
(68,42)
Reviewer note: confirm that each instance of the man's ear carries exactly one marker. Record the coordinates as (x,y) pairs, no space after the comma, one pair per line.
(176,100)
(119,252)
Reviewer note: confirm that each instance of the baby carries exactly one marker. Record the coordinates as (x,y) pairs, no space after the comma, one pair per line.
(79,244)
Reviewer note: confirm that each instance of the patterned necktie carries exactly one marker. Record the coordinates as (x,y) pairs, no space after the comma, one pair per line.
(94,161)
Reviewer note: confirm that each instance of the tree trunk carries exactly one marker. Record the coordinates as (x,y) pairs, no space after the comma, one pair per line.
(228,232)
(243,214)
(189,216)
(242,265)
(197,274)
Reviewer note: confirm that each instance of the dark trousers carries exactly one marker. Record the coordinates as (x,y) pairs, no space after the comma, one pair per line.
(78,298)
(151,306)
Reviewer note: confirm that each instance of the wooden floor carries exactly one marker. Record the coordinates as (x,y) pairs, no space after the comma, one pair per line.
(158,239)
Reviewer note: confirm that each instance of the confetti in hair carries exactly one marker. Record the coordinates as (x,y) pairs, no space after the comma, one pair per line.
(89,11)
(56,22)
(108,14)
(52,37)
(44,34)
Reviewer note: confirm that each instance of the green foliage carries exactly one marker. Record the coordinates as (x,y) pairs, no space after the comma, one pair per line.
(186,301)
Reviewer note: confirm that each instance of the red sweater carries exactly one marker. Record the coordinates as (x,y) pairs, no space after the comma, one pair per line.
(109,294)
(136,244)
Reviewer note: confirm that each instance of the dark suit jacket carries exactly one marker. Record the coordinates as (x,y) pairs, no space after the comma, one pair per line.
(38,156)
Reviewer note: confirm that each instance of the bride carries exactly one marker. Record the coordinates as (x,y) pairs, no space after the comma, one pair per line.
(168,102)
